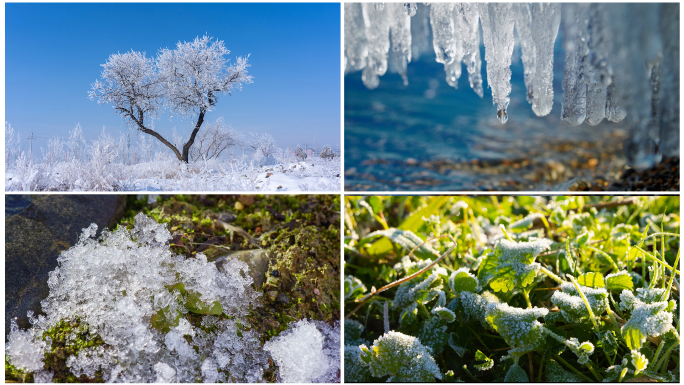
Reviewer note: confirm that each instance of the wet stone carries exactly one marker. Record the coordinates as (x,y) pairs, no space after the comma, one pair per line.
(256,260)
(36,236)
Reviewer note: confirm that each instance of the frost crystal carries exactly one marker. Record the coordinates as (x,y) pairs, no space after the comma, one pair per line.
(518,326)
(475,306)
(572,306)
(125,288)
(308,351)
(512,264)
(404,358)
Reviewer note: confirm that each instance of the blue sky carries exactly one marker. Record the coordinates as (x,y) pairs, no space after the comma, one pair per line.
(53,54)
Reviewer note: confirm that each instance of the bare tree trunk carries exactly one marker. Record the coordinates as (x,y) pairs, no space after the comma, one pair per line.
(166,142)
(188,144)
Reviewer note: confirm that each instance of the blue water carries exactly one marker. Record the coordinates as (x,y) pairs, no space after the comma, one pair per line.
(392,130)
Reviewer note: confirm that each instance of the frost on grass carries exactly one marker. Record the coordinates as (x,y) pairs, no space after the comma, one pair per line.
(308,351)
(401,357)
(354,368)
(518,326)
(475,306)
(572,306)
(556,373)
(649,317)
(134,293)
(422,288)
(512,264)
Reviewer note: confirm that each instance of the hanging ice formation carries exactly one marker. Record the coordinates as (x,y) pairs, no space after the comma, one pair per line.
(621,60)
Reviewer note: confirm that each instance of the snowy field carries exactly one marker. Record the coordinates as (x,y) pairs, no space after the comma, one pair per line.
(314,174)
(107,164)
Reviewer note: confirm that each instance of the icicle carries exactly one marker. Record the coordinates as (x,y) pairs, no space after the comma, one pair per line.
(614,112)
(523,26)
(410,8)
(669,85)
(598,42)
(443,32)
(355,45)
(596,99)
(470,36)
(497,29)
(377,34)
(385,317)
(400,29)
(573,106)
(420,32)
(545,22)
(453,70)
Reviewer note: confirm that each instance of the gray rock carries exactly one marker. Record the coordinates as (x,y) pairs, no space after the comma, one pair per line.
(272,295)
(227,216)
(36,236)
(282,298)
(256,260)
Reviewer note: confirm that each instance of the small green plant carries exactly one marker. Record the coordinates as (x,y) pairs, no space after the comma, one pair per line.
(514,289)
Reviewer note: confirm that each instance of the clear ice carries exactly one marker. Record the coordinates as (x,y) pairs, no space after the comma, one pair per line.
(621,60)
(116,283)
(308,351)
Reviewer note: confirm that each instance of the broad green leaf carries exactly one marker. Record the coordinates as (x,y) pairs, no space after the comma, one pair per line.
(433,334)
(619,281)
(375,203)
(512,265)
(195,305)
(444,313)
(161,322)
(591,280)
(572,306)
(487,364)
(525,223)
(354,368)
(404,238)
(639,361)
(401,357)
(353,288)
(633,337)
(556,373)
(458,341)
(352,332)
(461,280)
(411,223)
(519,327)
(179,286)
(516,374)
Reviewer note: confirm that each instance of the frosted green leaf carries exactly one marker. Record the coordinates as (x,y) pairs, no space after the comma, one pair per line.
(572,305)
(164,319)
(556,373)
(454,343)
(647,320)
(578,221)
(444,313)
(591,280)
(488,362)
(419,289)
(516,374)
(512,264)
(433,334)
(475,306)
(584,238)
(409,315)
(525,223)
(639,361)
(519,327)
(352,332)
(408,240)
(609,343)
(353,288)
(441,299)
(582,350)
(557,216)
(619,281)
(404,358)
(650,295)
(461,280)
(354,368)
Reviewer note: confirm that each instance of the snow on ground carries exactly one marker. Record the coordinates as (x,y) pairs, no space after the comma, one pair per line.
(169,175)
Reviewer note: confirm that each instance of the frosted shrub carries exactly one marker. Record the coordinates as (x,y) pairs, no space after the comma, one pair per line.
(135,294)
(300,154)
(327,152)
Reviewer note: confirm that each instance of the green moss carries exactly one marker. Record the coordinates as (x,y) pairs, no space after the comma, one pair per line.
(12,374)
(61,349)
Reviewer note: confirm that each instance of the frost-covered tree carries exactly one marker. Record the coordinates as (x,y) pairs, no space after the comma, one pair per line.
(186,81)
(327,152)
(214,140)
(299,153)
(262,143)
